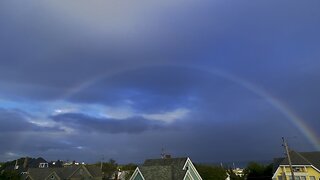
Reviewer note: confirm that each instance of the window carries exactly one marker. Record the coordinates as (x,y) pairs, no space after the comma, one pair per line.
(52,177)
(297,169)
(295,177)
(299,177)
(280,178)
(312,178)
(43,165)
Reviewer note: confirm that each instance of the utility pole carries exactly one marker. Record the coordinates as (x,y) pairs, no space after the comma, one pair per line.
(285,144)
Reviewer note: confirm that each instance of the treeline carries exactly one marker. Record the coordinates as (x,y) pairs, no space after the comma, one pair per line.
(253,171)
(111,169)
(9,174)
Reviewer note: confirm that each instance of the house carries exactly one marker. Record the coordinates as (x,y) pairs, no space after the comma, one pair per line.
(56,164)
(91,172)
(166,169)
(239,172)
(21,165)
(305,165)
(122,175)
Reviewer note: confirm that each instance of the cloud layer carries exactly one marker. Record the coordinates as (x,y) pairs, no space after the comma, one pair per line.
(125,79)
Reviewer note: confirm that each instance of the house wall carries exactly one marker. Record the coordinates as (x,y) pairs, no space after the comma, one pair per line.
(138,177)
(283,173)
(188,177)
(54,175)
(192,172)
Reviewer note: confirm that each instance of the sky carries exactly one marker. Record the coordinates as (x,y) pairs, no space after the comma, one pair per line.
(217,81)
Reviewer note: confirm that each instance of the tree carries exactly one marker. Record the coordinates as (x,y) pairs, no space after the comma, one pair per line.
(109,169)
(12,175)
(130,168)
(211,172)
(258,171)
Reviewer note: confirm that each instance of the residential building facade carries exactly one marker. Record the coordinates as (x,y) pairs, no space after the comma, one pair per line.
(305,165)
(166,169)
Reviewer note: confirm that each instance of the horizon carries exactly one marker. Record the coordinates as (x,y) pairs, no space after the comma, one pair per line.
(236,164)
(212,80)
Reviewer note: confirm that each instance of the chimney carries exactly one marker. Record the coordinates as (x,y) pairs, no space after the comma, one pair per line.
(25,163)
(16,166)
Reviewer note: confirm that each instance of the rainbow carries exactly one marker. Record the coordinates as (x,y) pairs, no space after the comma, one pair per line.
(279,105)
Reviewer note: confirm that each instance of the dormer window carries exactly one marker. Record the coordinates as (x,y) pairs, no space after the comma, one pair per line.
(43,165)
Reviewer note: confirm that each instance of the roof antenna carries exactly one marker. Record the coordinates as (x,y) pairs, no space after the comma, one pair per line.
(163,153)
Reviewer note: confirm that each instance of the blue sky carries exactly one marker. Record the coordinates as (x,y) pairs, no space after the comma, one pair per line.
(124,79)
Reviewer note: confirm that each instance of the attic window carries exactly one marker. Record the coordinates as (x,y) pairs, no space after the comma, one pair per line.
(43,165)
(52,177)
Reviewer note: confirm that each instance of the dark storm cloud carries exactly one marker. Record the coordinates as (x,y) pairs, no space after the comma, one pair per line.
(17,121)
(84,123)
(169,86)
(53,58)
(149,56)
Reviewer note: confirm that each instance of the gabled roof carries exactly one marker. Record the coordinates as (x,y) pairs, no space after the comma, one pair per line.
(300,158)
(30,163)
(34,163)
(276,163)
(313,158)
(94,170)
(156,172)
(163,169)
(63,173)
(296,159)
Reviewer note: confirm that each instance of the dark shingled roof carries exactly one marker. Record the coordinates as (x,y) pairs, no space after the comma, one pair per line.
(156,172)
(313,158)
(163,169)
(30,163)
(40,173)
(276,163)
(300,158)
(63,173)
(94,170)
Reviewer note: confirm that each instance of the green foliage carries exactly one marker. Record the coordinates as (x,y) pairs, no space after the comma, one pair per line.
(211,172)
(258,171)
(130,168)
(12,175)
(108,168)
(7,164)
